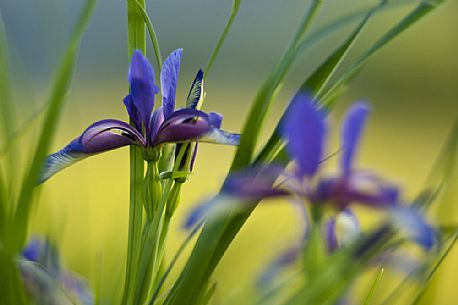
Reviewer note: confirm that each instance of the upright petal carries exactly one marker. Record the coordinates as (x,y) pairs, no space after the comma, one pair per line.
(305,130)
(156,122)
(196,92)
(351,133)
(133,112)
(99,137)
(142,86)
(169,81)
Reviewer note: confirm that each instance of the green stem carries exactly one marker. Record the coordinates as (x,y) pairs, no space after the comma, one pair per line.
(222,38)
(152,34)
(136,40)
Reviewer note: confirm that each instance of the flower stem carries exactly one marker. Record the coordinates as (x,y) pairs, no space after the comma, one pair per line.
(136,40)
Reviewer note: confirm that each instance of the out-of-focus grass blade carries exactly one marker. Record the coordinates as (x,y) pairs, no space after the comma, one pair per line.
(317,80)
(209,294)
(427,281)
(152,34)
(16,134)
(55,104)
(260,105)
(6,106)
(442,169)
(234,10)
(374,285)
(421,10)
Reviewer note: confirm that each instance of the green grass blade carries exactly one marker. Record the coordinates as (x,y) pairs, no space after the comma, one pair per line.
(234,10)
(442,170)
(374,285)
(420,11)
(152,34)
(263,99)
(56,102)
(317,80)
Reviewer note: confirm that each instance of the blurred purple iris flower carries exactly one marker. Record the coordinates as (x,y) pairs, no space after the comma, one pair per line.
(46,280)
(305,130)
(151,129)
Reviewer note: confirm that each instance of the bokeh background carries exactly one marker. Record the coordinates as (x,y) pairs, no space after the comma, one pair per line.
(412,85)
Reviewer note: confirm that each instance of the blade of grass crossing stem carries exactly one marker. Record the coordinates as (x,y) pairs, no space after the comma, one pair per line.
(234,10)
(259,108)
(317,80)
(136,32)
(152,34)
(373,287)
(415,15)
(56,101)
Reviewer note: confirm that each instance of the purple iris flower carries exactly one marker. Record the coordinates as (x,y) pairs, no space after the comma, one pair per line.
(152,129)
(305,130)
(46,280)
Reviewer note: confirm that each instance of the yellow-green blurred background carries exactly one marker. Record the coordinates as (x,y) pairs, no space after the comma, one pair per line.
(412,85)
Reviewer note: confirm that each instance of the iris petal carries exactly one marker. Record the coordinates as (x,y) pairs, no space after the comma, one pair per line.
(142,86)
(195,95)
(305,130)
(413,225)
(169,81)
(187,125)
(351,133)
(99,137)
(133,112)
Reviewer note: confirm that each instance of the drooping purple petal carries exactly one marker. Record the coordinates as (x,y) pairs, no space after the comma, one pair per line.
(215,119)
(414,226)
(187,125)
(254,183)
(216,206)
(305,130)
(352,129)
(219,136)
(142,86)
(169,81)
(196,92)
(99,137)
(360,187)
